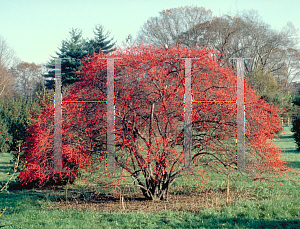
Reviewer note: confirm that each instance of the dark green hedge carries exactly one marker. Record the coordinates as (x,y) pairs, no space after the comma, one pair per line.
(14,121)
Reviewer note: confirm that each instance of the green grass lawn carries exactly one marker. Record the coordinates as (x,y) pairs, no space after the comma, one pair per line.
(264,206)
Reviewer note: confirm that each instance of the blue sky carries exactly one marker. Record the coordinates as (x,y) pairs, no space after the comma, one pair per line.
(35,28)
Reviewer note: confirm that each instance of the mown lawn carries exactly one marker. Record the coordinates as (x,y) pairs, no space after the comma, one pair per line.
(252,205)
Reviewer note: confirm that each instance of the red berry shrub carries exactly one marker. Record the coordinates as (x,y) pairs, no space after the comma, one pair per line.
(149,118)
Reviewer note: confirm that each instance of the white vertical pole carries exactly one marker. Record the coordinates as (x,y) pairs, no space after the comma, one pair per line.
(57,119)
(187,115)
(110,115)
(240,116)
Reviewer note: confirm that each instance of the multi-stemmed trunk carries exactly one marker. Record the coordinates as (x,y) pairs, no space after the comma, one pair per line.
(155,188)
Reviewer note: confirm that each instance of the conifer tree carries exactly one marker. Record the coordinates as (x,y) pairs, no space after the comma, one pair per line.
(296,119)
(94,45)
(76,48)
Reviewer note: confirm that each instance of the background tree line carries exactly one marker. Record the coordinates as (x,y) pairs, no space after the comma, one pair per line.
(275,62)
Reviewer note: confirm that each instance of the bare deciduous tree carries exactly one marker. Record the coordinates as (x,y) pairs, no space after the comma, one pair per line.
(6,83)
(7,60)
(244,35)
(7,55)
(167,28)
(28,78)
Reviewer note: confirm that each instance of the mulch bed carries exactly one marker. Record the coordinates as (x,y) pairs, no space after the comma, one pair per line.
(137,203)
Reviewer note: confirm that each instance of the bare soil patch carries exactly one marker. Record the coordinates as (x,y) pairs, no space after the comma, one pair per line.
(136,202)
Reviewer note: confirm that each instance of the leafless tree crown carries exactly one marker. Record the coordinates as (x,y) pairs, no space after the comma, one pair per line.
(244,35)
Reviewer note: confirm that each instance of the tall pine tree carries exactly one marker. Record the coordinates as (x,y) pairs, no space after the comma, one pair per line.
(76,48)
(94,45)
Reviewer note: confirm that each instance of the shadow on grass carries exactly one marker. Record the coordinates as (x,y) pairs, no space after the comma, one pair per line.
(285,137)
(7,163)
(212,222)
(5,168)
(290,151)
(294,164)
(17,200)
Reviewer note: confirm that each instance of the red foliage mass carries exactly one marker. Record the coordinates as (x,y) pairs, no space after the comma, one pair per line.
(149,117)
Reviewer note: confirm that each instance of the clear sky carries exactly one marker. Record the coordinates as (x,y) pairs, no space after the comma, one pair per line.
(35,28)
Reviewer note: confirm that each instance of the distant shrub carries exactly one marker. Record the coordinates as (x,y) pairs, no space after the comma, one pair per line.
(296,130)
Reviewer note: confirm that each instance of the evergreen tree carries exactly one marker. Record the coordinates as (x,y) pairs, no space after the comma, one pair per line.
(94,45)
(71,48)
(5,136)
(76,48)
(14,120)
(296,120)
